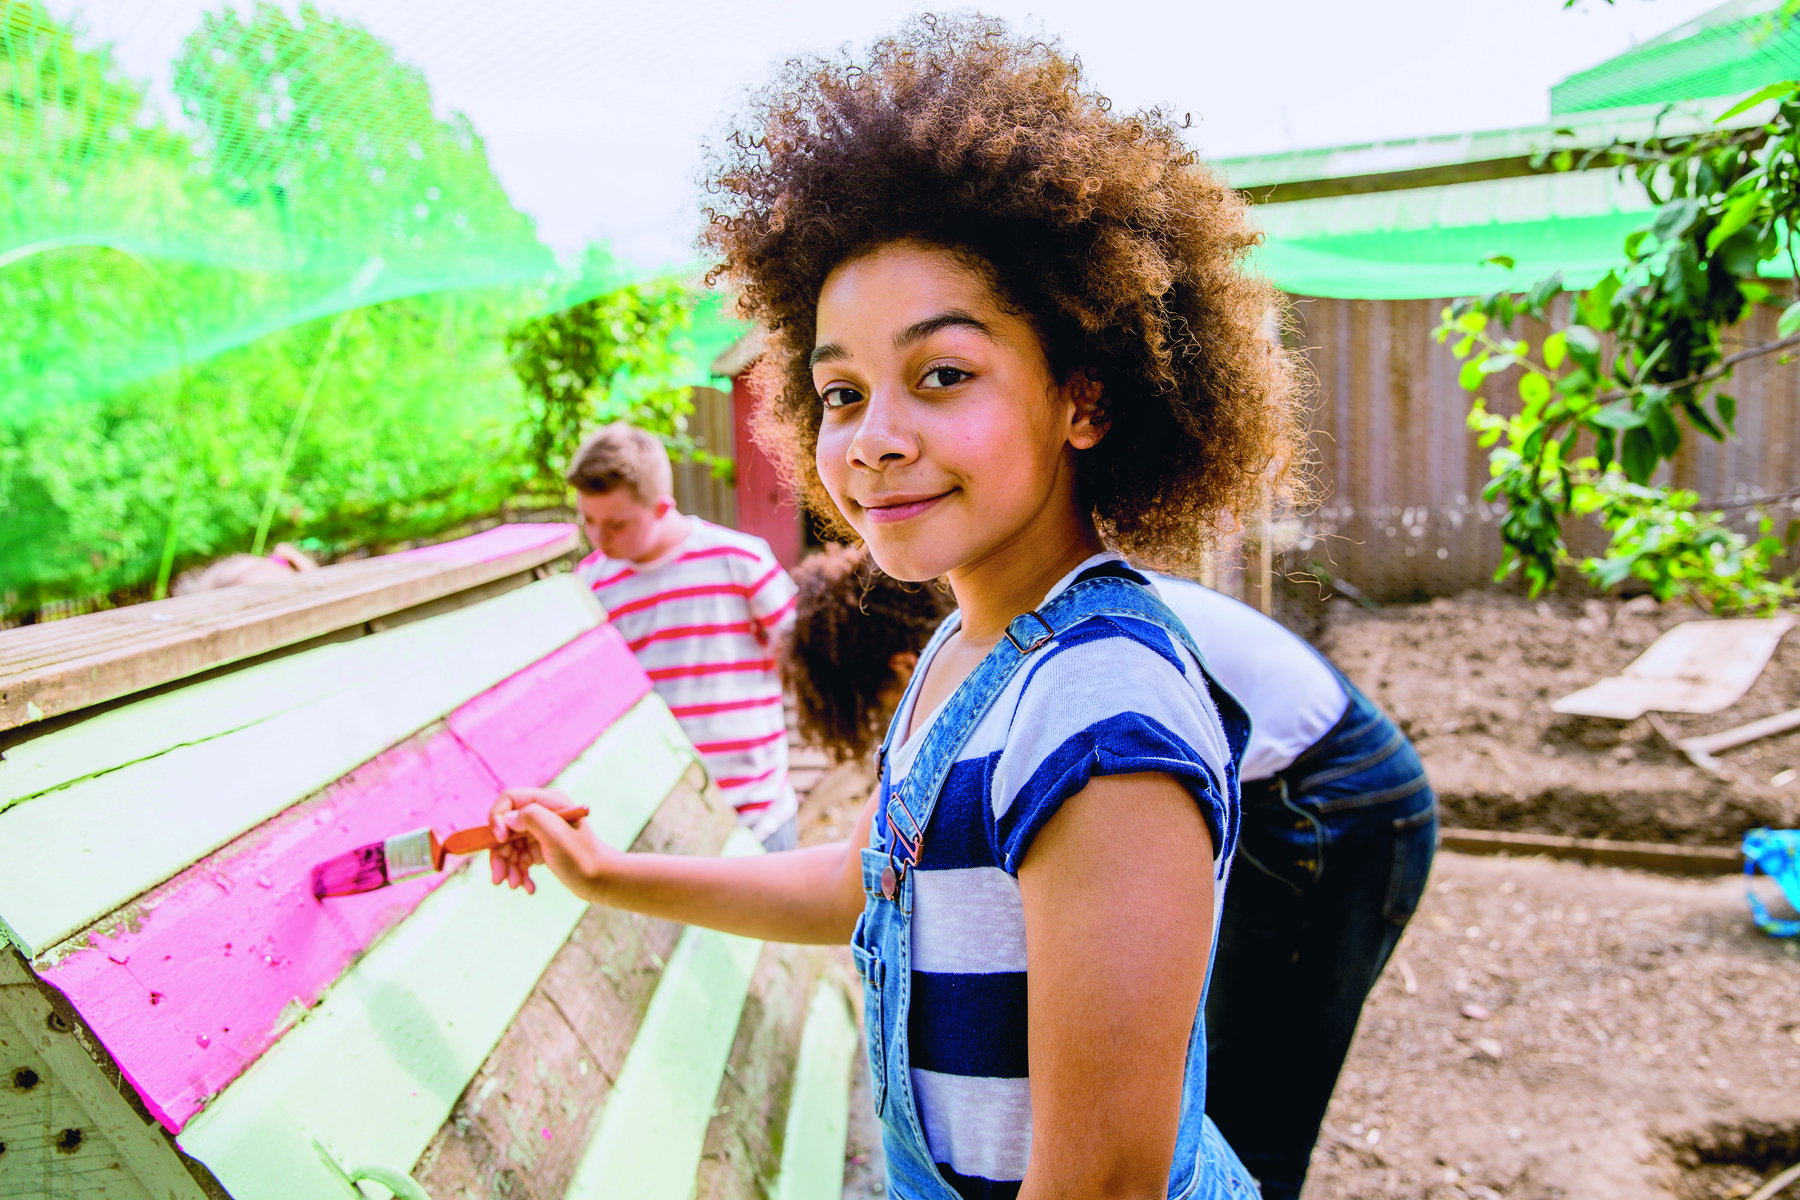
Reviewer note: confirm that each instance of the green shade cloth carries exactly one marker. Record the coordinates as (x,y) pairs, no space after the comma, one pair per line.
(1734,49)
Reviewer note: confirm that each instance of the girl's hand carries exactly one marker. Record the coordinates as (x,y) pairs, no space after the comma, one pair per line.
(525,822)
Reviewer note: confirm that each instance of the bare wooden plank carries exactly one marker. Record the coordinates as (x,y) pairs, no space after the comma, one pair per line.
(555,1067)
(1648,856)
(63,666)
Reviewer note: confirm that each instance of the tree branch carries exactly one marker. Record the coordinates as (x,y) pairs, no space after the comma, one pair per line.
(1724,367)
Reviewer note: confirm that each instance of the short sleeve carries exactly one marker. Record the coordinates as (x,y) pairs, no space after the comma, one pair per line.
(771,596)
(1111,697)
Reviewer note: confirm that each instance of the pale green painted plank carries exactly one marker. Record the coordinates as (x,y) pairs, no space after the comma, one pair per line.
(97,843)
(625,775)
(376,1067)
(818,1123)
(651,1134)
(518,627)
(374,1070)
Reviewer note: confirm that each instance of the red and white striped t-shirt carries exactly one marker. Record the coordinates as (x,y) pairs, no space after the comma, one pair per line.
(703,622)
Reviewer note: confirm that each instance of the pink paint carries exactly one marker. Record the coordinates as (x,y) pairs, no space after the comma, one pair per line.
(569,695)
(195,980)
(502,541)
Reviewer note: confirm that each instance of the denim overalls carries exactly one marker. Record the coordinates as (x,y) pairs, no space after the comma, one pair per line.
(1204,1167)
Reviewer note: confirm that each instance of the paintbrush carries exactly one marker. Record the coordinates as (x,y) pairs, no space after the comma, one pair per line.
(403,856)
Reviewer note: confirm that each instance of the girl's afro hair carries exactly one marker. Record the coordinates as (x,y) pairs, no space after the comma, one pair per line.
(1126,254)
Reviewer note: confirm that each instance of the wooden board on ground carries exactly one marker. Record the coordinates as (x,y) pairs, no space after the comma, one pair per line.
(60,667)
(1697,667)
(1646,856)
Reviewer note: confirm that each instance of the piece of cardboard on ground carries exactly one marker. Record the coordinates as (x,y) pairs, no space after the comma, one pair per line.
(1697,667)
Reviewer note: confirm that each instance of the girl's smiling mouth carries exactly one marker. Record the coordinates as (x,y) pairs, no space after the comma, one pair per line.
(890,509)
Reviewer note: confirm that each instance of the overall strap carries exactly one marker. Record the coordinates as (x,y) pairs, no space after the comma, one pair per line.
(1107,589)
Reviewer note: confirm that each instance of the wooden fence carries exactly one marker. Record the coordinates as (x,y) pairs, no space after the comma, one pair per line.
(697,490)
(1399,475)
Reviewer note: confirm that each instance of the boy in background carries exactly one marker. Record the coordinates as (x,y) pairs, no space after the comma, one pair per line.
(702,607)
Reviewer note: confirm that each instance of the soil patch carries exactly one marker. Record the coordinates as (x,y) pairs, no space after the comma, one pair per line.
(1471,680)
(1569,1031)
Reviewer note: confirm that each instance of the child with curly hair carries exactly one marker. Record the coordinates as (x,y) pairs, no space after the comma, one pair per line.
(1012,340)
(1338,834)
(850,652)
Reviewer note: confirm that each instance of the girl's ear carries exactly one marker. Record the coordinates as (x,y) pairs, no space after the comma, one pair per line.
(1088,423)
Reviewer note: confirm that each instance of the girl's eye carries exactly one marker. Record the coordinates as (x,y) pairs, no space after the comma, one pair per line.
(945,376)
(838,397)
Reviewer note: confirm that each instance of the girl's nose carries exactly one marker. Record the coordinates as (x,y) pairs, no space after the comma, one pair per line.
(883,438)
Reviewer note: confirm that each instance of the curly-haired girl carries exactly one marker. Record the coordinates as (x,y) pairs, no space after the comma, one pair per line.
(1011,337)
(855,640)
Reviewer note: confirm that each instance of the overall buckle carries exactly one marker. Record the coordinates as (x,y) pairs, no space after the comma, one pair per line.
(1037,639)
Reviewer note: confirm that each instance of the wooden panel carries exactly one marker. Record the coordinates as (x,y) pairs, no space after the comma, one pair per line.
(697,490)
(493,640)
(1401,514)
(107,839)
(651,1133)
(523,1122)
(62,666)
(53,1148)
(818,1123)
(373,1071)
(186,991)
(112,1131)
(743,1149)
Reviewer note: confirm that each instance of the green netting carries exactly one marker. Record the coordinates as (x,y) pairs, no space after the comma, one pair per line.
(1734,49)
(168,287)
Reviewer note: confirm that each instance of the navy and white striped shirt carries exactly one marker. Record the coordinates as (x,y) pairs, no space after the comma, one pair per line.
(1113,696)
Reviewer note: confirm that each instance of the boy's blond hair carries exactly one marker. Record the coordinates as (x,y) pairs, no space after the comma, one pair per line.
(621,455)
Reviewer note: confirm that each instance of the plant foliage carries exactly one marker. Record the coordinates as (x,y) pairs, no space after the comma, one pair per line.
(1639,361)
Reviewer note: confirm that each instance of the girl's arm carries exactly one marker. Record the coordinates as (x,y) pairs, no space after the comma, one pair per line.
(812,895)
(1118,897)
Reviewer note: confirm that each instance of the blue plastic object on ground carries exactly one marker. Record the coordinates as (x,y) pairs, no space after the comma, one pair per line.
(1776,852)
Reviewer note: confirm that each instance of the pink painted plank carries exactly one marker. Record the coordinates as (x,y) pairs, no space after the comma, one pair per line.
(567,699)
(190,983)
(498,542)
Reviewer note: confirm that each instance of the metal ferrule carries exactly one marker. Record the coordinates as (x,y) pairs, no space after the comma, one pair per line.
(408,855)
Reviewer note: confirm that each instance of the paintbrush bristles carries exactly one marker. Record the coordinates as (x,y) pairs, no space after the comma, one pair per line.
(403,856)
(362,870)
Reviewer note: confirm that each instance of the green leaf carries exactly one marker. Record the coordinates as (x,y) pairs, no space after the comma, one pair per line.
(1462,348)
(1754,293)
(1596,304)
(1556,348)
(1496,364)
(1470,376)
(1737,215)
(1789,324)
(1534,389)
(1727,406)
(1603,447)
(1661,424)
(1499,260)
(1701,421)
(1584,343)
(1619,416)
(1772,92)
(1637,454)
(1633,240)
(1544,291)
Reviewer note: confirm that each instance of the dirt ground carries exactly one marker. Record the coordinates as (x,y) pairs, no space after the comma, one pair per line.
(1552,1030)
(1546,1029)
(1471,679)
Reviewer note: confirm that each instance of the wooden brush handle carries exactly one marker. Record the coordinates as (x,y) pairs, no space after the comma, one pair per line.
(468,841)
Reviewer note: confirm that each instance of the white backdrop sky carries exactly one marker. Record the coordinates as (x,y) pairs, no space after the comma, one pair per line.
(593,110)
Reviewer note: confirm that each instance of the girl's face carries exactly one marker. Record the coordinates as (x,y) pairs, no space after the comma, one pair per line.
(945,439)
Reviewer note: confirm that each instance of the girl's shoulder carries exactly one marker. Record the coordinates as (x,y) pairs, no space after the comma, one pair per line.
(1111,695)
